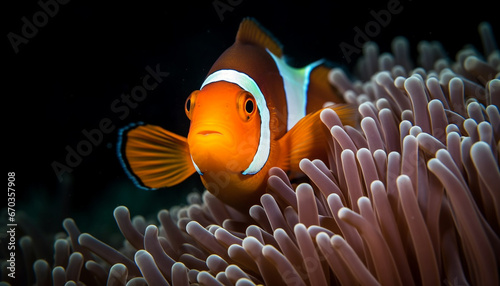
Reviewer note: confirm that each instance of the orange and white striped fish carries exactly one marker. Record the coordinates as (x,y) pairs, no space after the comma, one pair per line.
(253,112)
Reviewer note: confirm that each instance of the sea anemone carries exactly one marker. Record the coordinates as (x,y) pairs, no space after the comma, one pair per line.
(408,197)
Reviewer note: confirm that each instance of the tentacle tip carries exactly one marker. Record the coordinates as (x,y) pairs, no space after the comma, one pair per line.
(121,210)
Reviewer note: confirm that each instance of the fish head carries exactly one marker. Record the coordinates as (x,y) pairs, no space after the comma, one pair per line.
(225,128)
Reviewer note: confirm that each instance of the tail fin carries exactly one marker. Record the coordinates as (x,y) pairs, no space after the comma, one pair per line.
(153,157)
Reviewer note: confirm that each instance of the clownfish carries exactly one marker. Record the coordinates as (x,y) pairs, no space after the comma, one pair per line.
(251,113)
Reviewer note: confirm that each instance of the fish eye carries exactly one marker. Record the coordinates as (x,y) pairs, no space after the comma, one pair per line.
(189,105)
(246,105)
(249,106)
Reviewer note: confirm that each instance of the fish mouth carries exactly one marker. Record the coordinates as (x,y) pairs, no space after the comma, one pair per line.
(209,132)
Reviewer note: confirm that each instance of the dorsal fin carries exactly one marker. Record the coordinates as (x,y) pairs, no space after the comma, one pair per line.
(250,31)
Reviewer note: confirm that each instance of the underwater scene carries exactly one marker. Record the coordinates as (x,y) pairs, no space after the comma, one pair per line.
(237,142)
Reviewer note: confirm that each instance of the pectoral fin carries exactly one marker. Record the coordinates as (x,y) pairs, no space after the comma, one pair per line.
(153,157)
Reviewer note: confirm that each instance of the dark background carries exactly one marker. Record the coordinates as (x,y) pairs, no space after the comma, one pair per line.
(65,78)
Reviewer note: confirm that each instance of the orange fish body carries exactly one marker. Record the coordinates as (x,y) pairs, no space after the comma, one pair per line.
(253,112)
